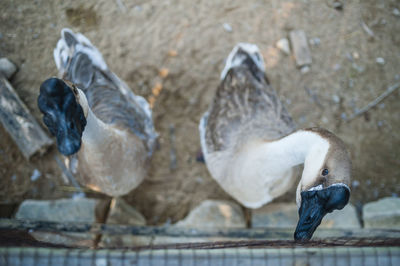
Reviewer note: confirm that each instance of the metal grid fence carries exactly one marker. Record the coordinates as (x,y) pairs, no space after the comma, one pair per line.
(336,256)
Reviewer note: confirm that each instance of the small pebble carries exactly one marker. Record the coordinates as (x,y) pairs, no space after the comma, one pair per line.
(303,119)
(396,12)
(380,123)
(227,27)
(14,177)
(337,67)
(343,116)
(355,183)
(35,175)
(380,60)
(335,98)
(315,41)
(352,103)
(283,45)
(368,182)
(351,83)
(349,56)
(337,5)
(137,8)
(360,69)
(7,67)
(199,180)
(305,69)
(355,55)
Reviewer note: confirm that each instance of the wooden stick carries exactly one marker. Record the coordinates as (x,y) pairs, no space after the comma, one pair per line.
(367,30)
(70,176)
(19,123)
(173,231)
(373,103)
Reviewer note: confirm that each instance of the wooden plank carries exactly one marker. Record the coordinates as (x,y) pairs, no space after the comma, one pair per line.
(19,123)
(300,48)
(174,231)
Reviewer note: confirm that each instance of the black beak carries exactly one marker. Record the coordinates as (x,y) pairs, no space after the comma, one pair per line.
(68,141)
(311,213)
(315,205)
(62,115)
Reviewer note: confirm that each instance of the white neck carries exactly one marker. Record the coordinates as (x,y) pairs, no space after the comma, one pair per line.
(297,148)
(263,170)
(96,133)
(110,159)
(300,147)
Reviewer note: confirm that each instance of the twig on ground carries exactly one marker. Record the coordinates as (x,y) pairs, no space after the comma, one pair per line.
(314,97)
(172,150)
(70,176)
(373,103)
(367,30)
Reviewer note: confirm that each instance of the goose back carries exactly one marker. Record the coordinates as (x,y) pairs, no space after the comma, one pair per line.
(244,108)
(110,99)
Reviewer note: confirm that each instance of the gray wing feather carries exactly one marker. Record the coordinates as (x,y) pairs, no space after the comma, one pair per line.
(110,99)
(245,108)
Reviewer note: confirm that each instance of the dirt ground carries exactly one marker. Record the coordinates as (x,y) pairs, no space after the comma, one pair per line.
(140,38)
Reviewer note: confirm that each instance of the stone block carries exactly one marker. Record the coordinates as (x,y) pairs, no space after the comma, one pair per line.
(275,215)
(345,218)
(64,210)
(124,214)
(285,215)
(384,213)
(215,214)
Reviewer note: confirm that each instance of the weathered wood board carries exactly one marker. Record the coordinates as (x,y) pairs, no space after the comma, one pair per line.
(300,48)
(19,123)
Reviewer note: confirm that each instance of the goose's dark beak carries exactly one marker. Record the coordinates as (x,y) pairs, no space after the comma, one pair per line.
(315,205)
(311,213)
(62,115)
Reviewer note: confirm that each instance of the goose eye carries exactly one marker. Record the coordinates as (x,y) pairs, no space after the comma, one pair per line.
(325,172)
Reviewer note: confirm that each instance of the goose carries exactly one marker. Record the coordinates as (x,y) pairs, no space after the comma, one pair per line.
(101,126)
(251,146)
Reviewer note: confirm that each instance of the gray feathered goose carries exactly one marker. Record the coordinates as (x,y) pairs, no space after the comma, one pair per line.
(105,129)
(250,146)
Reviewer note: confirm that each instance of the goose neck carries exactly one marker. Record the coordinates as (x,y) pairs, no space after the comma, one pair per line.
(299,147)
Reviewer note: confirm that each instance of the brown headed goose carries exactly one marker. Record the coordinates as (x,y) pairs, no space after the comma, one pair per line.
(105,129)
(251,147)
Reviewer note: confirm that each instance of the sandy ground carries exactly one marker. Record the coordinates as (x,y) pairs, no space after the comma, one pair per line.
(140,38)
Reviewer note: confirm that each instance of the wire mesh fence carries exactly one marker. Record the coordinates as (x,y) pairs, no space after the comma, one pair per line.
(335,256)
(267,246)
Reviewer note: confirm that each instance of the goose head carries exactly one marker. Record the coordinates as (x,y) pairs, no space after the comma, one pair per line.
(324,185)
(63,113)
